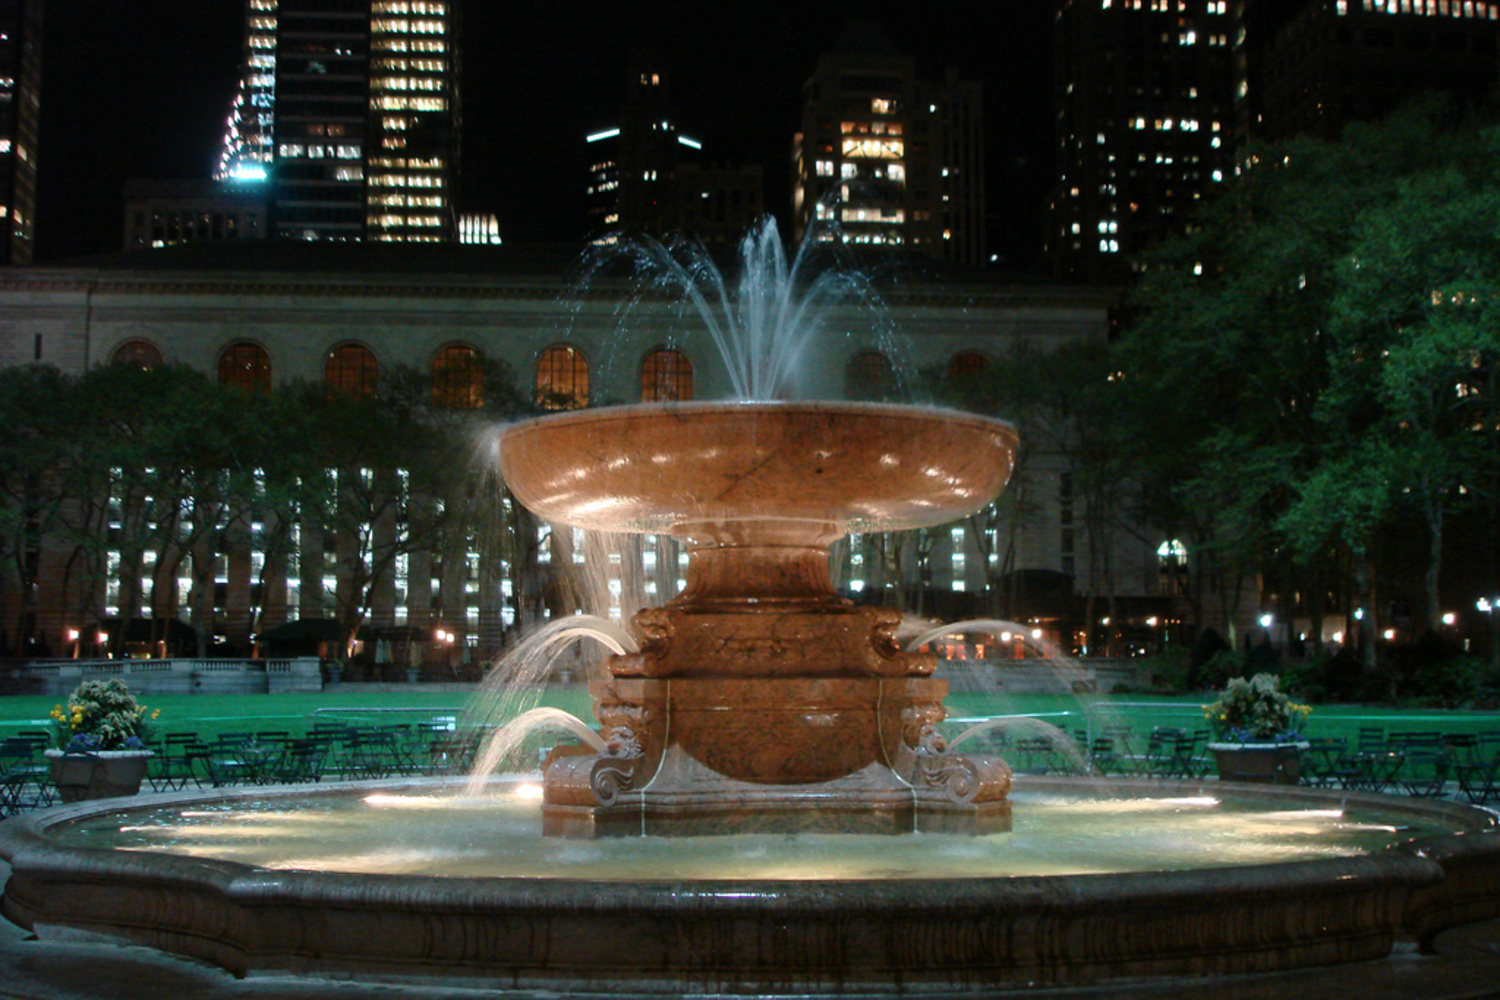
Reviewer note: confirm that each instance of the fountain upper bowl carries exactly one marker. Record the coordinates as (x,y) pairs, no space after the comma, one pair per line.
(667,467)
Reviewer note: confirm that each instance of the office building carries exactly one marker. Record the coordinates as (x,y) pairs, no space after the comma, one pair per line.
(1339,61)
(646,176)
(897,163)
(348,117)
(1145,120)
(163,213)
(20,91)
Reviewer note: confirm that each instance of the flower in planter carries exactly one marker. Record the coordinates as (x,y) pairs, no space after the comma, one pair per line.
(1256,710)
(102,715)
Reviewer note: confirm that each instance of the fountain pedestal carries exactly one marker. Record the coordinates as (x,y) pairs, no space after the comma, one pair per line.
(759,699)
(736,751)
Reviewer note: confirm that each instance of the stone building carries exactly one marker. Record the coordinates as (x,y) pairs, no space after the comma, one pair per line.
(326,312)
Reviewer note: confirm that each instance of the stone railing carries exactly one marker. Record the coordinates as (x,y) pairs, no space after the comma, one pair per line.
(1057,676)
(175,676)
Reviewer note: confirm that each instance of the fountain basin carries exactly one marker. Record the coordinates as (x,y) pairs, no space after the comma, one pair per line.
(824,467)
(754,934)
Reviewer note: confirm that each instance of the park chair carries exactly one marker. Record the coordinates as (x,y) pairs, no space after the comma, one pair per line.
(1321,760)
(1371,739)
(25,778)
(1161,751)
(1425,771)
(1463,748)
(173,767)
(301,760)
(1371,771)
(1102,757)
(1480,781)
(1037,754)
(1123,739)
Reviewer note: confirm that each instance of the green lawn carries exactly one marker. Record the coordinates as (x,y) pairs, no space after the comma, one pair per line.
(209,715)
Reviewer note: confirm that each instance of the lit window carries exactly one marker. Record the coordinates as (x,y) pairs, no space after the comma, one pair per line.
(458,378)
(966,364)
(246,366)
(562,378)
(351,370)
(137,354)
(666,377)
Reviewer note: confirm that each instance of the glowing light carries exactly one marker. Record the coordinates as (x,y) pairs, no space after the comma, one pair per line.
(601,136)
(689,143)
(248,172)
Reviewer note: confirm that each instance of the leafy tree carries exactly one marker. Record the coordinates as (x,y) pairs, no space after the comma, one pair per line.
(37,408)
(1317,352)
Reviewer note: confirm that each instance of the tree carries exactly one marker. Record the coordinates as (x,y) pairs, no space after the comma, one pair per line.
(1317,351)
(37,408)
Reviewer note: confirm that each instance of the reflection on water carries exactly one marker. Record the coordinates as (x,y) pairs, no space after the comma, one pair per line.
(425,834)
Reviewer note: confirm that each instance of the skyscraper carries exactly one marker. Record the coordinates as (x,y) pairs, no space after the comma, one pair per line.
(897,162)
(20,80)
(1145,124)
(645,175)
(1339,61)
(348,113)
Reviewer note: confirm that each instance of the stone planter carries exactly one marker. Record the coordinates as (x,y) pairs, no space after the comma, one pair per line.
(1265,763)
(101,775)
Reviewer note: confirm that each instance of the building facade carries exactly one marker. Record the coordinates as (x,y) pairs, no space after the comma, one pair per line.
(20,100)
(165,213)
(1145,122)
(896,162)
(348,118)
(314,320)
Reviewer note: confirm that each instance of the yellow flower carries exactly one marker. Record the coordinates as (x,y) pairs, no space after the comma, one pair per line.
(155,712)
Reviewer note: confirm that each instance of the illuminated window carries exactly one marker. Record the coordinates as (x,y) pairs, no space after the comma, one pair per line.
(351,370)
(562,379)
(458,378)
(874,149)
(137,354)
(870,375)
(666,376)
(966,364)
(246,366)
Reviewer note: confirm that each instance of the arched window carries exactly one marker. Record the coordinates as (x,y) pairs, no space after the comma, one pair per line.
(245,366)
(967,363)
(458,378)
(562,379)
(870,376)
(351,370)
(137,354)
(666,377)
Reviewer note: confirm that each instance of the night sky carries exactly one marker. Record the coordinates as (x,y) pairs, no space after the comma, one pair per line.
(141,88)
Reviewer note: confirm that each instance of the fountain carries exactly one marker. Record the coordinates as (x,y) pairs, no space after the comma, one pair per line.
(757,701)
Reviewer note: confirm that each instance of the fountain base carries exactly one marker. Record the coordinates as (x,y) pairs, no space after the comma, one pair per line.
(708,755)
(686,798)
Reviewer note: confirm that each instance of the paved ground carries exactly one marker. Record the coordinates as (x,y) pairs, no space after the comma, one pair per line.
(1465,967)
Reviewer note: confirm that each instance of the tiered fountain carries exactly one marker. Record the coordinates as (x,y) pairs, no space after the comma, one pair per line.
(760,700)
(757,700)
